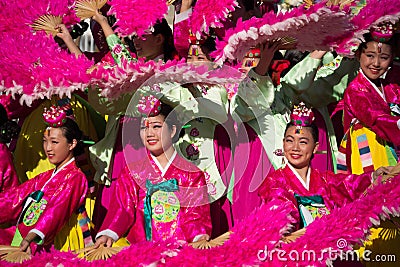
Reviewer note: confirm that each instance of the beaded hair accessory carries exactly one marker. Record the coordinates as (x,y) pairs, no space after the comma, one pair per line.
(301,116)
(195,43)
(382,33)
(251,57)
(55,116)
(149,106)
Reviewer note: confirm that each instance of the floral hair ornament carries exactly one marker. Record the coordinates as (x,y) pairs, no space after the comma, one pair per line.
(301,116)
(251,57)
(382,33)
(194,49)
(149,106)
(55,116)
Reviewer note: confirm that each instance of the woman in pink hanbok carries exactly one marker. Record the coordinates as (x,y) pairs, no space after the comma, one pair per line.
(371,109)
(310,192)
(161,196)
(41,206)
(372,123)
(108,155)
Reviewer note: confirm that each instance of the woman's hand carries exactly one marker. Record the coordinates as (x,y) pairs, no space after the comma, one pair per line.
(267,52)
(104,239)
(202,237)
(99,18)
(186,4)
(317,54)
(26,242)
(25,247)
(381,171)
(103,22)
(67,38)
(63,33)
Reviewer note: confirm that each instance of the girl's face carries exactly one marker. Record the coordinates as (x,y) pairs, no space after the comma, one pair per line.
(56,146)
(149,46)
(375,59)
(199,58)
(299,147)
(156,135)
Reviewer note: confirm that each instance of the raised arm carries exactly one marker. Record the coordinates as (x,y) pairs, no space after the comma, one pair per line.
(67,38)
(301,76)
(256,92)
(182,26)
(317,84)
(117,48)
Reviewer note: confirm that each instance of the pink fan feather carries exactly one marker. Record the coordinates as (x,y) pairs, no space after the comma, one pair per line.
(210,13)
(318,27)
(189,73)
(349,225)
(373,13)
(261,230)
(137,16)
(24,13)
(126,78)
(40,68)
(131,75)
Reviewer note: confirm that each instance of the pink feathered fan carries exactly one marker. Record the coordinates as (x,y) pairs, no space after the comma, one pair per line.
(137,16)
(40,69)
(319,27)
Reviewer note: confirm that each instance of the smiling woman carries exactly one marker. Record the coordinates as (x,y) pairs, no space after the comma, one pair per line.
(309,192)
(41,206)
(157,134)
(299,148)
(56,146)
(371,119)
(375,59)
(156,43)
(162,196)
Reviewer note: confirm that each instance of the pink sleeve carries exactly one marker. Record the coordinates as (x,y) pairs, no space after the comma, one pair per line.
(346,188)
(11,200)
(373,113)
(60,207)
(274,189)
(121,214)
(196,218)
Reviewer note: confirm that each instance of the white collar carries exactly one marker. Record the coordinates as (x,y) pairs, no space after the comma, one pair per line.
(374,86)
(164,170)
(57,171)
(306,183)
